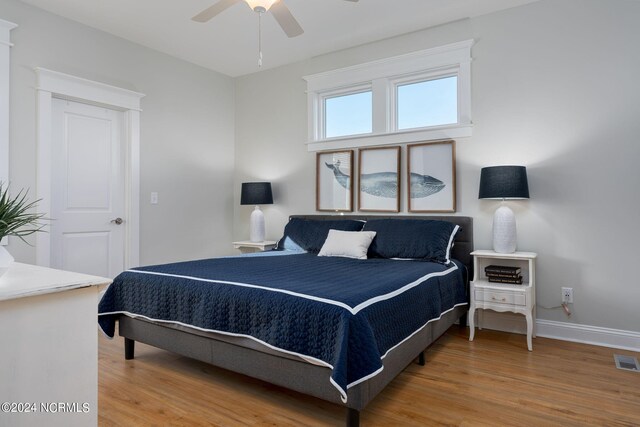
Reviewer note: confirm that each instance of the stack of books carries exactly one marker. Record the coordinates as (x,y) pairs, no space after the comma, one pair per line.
(503,274)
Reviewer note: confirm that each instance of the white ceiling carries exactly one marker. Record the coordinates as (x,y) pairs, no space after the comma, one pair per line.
(229,42)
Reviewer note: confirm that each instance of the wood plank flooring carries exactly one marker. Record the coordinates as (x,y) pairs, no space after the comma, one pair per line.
(489,382)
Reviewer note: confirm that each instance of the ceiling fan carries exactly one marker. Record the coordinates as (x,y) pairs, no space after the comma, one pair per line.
(280,12)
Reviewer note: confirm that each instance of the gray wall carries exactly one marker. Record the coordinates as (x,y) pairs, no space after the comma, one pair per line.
(187,130)
(555,88)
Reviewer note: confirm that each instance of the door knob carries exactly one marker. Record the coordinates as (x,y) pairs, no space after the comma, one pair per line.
(117,221)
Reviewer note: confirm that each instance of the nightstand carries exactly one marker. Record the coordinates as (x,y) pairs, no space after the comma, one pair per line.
(248,246)
(501,296)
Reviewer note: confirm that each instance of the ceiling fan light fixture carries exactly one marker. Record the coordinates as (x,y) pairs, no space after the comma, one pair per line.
(261,5)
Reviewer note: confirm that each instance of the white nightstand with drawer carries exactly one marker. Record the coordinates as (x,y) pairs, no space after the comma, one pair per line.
(502,296)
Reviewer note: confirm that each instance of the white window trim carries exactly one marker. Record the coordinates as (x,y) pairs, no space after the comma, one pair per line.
(383,76)
(52,84)
(5,67)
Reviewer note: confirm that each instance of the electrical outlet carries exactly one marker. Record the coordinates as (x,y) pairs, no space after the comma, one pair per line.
(154,198)
(567,295)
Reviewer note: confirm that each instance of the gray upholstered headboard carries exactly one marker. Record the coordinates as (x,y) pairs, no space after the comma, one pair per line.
(463,242)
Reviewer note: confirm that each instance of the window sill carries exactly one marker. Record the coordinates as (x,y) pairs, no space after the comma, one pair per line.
(391,138)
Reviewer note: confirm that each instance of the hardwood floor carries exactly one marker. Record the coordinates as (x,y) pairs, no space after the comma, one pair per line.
(491,381)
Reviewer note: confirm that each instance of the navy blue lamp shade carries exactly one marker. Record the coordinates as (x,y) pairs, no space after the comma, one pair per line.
(504,182)
(256,193)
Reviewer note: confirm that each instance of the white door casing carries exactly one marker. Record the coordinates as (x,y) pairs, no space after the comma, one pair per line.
(5,59)
(51,85)
(5,63)
(87,189)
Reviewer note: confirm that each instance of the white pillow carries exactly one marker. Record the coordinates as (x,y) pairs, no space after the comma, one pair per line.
(348,244)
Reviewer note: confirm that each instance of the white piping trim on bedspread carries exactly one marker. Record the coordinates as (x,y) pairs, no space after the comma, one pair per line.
(310,359)
(247,285)
(402,289)
(422,327)
(373,374)
(353,310)
(450,245)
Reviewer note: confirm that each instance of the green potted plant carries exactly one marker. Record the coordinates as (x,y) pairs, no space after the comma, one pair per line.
(16,220)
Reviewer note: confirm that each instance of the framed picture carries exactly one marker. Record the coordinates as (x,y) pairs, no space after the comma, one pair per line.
(334,181)
(431,177)
(379,179)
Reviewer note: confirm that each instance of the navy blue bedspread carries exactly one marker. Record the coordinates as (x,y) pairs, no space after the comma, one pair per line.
(343,312)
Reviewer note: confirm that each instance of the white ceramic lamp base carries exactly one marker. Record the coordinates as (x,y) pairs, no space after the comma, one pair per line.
(504,231)
(256,226)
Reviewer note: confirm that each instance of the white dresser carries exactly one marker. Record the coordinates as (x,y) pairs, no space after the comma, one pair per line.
(48,347)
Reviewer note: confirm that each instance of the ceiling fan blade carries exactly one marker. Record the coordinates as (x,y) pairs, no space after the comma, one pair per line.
(286,20)
(214,10)
(355,1)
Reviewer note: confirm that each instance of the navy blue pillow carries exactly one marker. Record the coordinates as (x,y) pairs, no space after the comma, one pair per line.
(309,234)
(430,240)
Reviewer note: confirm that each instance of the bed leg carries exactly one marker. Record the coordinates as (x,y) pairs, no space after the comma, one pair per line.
(463,321)
(353,418)
(129,348)
(421,360)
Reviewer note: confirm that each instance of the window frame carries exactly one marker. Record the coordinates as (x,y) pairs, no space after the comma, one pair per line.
(336,93)
(383,77)
(414,79)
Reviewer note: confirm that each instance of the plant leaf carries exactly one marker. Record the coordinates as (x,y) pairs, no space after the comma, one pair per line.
(15,216)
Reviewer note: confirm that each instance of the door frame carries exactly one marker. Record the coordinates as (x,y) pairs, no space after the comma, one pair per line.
(52,84)
(5,87)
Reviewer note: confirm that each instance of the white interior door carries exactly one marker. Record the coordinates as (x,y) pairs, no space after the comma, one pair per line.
(87,189)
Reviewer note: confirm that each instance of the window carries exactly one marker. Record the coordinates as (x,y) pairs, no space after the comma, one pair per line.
(420,96)
(427,103)
(349,114)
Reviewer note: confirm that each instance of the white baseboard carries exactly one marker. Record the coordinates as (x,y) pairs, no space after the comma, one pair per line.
(585,334)
(595,335)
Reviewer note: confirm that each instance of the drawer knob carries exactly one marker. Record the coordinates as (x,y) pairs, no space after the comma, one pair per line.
(496,299)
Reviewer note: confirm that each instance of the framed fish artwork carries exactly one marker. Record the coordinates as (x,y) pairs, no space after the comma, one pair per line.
(431,177)
(334,181)
(379,179)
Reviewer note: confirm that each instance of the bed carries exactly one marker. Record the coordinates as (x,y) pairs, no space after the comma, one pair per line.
(308,327)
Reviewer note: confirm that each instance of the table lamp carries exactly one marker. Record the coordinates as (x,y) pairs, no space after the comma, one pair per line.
(256,193)
(504,183)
